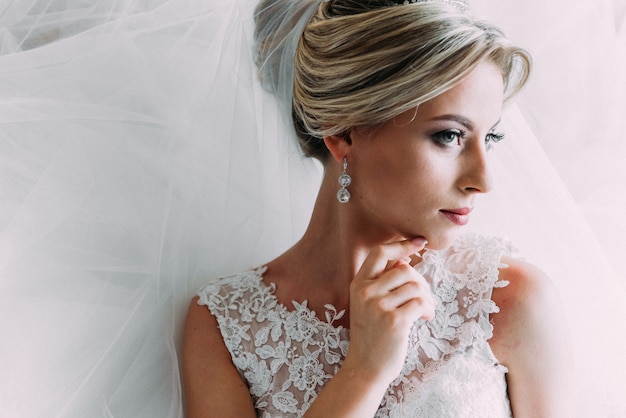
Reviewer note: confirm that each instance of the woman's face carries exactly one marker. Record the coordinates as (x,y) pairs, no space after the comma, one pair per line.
(419,174)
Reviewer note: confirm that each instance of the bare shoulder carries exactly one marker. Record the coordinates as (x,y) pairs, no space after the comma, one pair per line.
(529,290)
(529,301)
(531,338)
(211,381)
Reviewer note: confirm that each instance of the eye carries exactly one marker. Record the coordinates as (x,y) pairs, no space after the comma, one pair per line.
(447,137)
(493,138)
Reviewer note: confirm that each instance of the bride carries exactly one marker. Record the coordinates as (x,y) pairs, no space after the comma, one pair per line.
(133,172)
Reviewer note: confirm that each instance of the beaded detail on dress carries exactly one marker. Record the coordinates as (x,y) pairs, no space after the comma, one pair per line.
(286,356)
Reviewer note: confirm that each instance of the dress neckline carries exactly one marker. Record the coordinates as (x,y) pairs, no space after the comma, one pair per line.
(301,309)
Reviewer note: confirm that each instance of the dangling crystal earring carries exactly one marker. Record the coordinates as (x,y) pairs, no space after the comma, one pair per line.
(343,195)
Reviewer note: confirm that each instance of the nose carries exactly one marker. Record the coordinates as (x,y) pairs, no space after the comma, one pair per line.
(476,175)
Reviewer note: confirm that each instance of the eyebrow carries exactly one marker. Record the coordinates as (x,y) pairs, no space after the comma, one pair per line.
(457,118)
(496,124)
(462,120)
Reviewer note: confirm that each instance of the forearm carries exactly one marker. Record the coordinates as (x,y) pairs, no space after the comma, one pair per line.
(352,392)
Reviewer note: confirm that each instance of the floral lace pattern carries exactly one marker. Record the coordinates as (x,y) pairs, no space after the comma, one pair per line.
(287,356)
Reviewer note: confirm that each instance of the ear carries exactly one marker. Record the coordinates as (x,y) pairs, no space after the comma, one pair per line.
(339,145)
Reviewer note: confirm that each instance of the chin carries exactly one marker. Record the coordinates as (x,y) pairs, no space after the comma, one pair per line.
(441,241)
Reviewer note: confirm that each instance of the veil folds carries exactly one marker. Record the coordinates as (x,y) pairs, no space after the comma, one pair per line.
(141,158)
(132,171)
(569,189)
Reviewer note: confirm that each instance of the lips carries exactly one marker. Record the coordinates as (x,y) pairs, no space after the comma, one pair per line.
(458,216)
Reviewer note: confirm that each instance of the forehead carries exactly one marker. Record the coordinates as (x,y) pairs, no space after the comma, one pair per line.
(478,96)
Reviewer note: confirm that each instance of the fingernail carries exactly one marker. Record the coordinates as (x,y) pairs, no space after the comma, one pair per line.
(419,241)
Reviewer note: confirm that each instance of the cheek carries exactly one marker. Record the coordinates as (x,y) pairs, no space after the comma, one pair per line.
(405,176)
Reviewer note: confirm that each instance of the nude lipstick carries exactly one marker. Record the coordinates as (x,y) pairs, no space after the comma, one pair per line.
(458,216)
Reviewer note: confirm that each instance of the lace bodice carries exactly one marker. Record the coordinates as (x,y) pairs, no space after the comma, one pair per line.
(286,356)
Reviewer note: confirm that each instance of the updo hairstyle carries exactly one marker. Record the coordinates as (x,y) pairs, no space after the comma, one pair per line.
(363,62)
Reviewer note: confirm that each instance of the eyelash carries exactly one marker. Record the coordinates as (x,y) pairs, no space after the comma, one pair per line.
(494,137)
(445,138)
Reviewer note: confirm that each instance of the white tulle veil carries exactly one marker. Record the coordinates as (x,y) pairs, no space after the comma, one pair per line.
(140,158)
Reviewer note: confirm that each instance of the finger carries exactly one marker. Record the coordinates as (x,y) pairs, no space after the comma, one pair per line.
(376,262)
(418,308)
(405,293)
(403,260)
(393,279)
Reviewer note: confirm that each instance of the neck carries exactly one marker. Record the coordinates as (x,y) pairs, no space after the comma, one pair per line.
(334,246)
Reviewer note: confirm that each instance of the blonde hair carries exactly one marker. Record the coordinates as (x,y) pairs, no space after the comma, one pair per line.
(361,63)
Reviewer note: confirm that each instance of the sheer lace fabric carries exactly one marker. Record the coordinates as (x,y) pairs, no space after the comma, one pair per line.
(287,356)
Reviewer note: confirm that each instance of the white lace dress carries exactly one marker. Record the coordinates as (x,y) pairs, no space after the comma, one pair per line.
(286,356)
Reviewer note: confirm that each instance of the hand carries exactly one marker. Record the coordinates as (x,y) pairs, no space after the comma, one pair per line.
(386,297)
